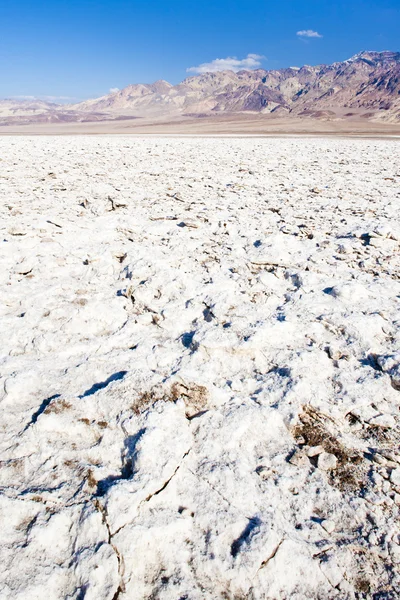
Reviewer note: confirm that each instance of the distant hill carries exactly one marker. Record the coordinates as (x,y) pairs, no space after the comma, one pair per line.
(365,86)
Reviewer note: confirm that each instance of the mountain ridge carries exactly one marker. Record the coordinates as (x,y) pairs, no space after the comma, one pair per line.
(367,86)
(368,80)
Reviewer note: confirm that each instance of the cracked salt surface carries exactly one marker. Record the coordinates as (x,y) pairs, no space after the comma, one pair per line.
(199,368)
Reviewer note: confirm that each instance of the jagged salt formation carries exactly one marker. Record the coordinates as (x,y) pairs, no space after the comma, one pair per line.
(200,368)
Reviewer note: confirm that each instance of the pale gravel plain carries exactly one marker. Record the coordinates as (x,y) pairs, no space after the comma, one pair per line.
(199,368)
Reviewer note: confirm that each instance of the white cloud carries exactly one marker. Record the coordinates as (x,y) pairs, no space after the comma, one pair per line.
(55,98)
(309,33)
(46,98)
(231,63)
(114,90)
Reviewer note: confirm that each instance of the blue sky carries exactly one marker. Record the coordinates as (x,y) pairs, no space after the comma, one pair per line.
(82,48)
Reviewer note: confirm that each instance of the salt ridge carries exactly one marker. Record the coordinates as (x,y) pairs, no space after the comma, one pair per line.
(200,368)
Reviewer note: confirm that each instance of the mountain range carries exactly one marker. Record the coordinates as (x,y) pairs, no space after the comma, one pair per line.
(365,86)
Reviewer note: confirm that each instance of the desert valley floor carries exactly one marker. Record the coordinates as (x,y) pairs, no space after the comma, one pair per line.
(200,368)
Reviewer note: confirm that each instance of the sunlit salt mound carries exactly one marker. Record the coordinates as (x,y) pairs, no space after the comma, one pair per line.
(200,368)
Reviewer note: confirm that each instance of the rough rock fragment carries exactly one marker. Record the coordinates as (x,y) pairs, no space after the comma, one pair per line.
(327,461)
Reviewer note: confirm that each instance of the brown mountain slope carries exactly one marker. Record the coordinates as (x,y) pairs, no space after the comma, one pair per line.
(364,86)
(368,83)
(14,107)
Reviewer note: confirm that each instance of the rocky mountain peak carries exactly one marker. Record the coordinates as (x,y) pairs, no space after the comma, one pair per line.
(365,86)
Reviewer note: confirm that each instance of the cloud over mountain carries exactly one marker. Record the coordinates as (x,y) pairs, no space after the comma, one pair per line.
(231,63)
(45,98)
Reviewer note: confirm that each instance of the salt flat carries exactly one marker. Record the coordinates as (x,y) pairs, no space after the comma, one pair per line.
(220,124)
(200,368)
